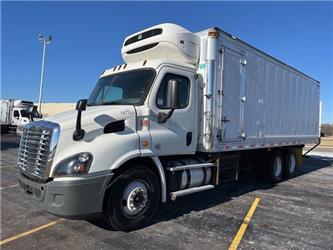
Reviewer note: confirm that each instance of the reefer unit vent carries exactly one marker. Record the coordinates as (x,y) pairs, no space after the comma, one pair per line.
(164,41)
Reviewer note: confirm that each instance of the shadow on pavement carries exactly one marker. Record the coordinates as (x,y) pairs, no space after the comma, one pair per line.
(9,141)
(247,183)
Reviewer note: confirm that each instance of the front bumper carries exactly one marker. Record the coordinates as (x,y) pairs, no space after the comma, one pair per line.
(70,197)
(19,130)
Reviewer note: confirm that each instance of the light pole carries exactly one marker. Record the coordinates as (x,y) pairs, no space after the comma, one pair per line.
(45,41)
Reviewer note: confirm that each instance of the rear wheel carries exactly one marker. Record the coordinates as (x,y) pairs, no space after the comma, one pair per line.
(276,167)
(132,200)
(290,163)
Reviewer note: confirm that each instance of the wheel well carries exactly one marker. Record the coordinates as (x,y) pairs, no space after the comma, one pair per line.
(145,161)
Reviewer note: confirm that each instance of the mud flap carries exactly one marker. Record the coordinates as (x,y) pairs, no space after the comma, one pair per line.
(298,153)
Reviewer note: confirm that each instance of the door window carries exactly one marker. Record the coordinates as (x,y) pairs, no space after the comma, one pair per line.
(24,113)
(16,114)
(161,100)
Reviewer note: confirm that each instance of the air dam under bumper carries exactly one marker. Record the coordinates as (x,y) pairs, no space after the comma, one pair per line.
(74,198)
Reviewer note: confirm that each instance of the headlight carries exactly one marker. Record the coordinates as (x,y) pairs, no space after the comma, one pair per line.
(74,165)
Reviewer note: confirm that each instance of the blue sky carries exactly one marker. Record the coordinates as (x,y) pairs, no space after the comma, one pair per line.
(88,38)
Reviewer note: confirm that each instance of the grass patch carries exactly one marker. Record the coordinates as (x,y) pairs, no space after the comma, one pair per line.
(327,141)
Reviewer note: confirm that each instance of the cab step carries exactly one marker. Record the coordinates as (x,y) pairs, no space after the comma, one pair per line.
(191,166)
(183,192)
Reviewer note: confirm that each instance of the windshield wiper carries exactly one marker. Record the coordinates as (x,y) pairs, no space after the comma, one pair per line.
(110,103)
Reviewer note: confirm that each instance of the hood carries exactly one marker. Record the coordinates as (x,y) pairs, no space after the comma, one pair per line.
(103,146)
(25,121)
(94,117)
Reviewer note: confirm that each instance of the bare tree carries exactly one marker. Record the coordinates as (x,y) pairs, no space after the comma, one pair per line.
(327,129)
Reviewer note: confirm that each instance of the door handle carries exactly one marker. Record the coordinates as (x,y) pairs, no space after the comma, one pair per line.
(225,120)
(188,138)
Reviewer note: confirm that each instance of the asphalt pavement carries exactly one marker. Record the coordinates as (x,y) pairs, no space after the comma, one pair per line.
(294,214)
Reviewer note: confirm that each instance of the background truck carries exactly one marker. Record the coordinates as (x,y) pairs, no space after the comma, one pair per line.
(184,113)
(14,113)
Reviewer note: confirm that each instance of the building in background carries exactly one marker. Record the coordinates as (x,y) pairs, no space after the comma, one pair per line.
(49,109)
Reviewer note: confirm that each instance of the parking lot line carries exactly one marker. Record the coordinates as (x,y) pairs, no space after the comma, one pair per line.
(15,185)
(243,227)
(8,166)
(30,231)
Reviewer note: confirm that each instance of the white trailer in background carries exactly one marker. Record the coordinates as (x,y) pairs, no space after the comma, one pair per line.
(14,113)
(183,114)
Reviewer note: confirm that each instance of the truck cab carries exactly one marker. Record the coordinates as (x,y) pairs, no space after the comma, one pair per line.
(15,113)
(20,116)
(140,111)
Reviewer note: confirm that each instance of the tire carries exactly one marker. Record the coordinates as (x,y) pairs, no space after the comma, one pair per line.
(276,167)
(132,200)
(290,163)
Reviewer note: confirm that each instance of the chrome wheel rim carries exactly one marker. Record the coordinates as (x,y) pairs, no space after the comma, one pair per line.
(277,166)
(292,163)
(135,198)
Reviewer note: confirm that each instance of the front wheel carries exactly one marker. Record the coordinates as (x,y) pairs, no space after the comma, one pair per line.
(132,199)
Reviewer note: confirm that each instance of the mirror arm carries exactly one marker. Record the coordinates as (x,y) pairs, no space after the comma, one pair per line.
(162,117)
(79,132)
(170,113)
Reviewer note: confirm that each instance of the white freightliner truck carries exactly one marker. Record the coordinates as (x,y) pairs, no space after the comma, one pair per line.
(14,113)
(183,114)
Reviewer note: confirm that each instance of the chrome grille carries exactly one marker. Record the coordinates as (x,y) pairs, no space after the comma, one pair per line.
(37,148)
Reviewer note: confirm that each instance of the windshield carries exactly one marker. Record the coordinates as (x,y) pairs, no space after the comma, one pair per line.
(125,88)
(24,113)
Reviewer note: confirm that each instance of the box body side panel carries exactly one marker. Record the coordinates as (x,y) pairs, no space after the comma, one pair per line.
(5,106)
(276,105)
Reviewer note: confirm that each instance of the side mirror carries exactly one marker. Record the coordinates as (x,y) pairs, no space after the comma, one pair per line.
(173,91)
(78,134)
(30,110)
(81,105)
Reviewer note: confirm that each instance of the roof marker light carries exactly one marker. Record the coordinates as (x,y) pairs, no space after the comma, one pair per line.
(213,33)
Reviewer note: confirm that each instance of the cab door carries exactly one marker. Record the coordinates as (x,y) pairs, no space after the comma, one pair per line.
(178,134)
(16,117)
